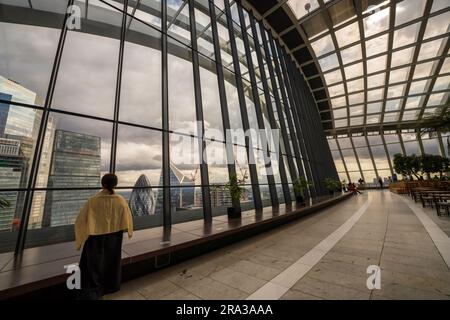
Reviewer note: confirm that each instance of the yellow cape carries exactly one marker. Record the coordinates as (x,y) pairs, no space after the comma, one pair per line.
(102,214)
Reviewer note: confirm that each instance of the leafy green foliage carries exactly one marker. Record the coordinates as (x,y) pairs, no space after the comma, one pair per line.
(425,164)
(332,184)
(300,185)
(234,186)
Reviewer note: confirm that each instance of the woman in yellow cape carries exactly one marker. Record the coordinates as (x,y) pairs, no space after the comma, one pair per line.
(100,226)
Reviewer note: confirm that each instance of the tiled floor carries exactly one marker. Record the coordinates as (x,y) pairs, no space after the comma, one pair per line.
(323,256)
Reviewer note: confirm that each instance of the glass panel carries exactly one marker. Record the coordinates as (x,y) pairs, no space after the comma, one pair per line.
(412,147)
(333,77)
(376,45)
(212,113)
(336,90)
(323,45)
(186,203)
(338,102)
(442,83)
(364,158)
(431,49)
(376,80)
(76,152)
(374,107)
(356,98)
(178,21)
(26,56)
(374,95)
(376,64)
(437,25)
(417,87)
(402,57)
(376,22)
(350,160)
(149,11)
(340,113)
(355,85)
(408,10)
(181,94)
(19,127)
(398,75)
(405,36)
(139,156)
(351,54)
(431,146)
(329,62)
(348,34)
(395,91)
(94,55)
(412,102)
(140,98)
(355,70)
(379,156)
(393,105)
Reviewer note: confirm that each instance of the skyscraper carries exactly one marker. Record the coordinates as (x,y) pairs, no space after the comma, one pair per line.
(142,199)
(13,167)
(182,190)
(22,124)
(76,160)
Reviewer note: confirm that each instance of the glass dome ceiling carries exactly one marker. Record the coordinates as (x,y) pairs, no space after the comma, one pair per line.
(370,63)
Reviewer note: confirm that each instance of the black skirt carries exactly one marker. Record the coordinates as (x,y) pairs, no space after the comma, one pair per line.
(100,266)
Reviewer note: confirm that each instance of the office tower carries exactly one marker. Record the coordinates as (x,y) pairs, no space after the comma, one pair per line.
(76,160)
(142,199)
(182,193)
(12,168)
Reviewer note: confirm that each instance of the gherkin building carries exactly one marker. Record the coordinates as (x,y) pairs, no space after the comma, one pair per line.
(142,199)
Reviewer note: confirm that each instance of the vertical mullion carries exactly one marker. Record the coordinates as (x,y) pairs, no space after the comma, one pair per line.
(286,110)
(279,110)
(21,237)
(371,154)
(167,214)
(402,144)
(387,153)
(296,102)
(270,112)
(285,84)
(356,157)
(243,108)
(441,144)
(306,120)
(343,159)
(222,95)
(207,214)
(262,132)
(419,139)
(118,86)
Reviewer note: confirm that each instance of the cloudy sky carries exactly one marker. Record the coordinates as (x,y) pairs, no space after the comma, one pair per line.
(86,85)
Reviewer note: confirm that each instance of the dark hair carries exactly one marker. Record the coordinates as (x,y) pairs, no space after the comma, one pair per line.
(109,182)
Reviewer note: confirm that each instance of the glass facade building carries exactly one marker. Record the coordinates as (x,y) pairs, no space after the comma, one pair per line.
(150,90)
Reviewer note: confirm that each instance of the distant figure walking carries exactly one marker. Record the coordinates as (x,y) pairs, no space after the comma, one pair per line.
(380,181)
(100,226)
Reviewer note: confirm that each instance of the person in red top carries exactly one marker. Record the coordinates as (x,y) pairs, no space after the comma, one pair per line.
(352,188)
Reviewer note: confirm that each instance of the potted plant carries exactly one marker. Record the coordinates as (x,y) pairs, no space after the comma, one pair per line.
(332,185)
(234,186)
(300,186)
